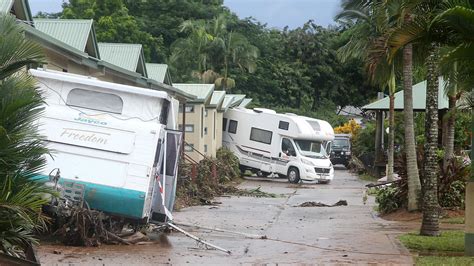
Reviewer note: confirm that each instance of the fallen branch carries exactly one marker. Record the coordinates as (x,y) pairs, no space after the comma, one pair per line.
(319,204)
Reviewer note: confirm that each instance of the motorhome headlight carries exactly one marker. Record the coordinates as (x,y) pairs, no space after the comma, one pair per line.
(308,162)
(348,153)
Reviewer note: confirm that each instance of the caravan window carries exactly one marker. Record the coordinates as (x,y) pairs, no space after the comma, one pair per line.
(283,125)
(95,100)
(260,135)
(224,124)
(232,126)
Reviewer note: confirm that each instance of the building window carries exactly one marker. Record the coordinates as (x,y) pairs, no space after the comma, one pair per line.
(205,131)
(205,148)
(283,125)
(205,112)
(189,108)
(188,147)
(95,100)
(232,126)
(224,124)
(260,135)
(187,128)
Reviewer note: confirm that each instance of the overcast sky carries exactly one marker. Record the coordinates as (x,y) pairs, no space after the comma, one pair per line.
(276,13)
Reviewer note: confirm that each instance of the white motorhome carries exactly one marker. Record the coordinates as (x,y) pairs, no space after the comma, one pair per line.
(285,144)
(113,141)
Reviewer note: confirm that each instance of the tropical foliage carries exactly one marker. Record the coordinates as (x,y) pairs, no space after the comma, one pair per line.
(22,150)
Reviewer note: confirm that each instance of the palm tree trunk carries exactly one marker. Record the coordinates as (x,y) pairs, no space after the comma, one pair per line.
(414,184)
(391,124)
(430,222)
(391,137)
(449,149)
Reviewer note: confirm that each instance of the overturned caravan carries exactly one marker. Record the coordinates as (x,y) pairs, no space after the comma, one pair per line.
(289,145)
(113,144)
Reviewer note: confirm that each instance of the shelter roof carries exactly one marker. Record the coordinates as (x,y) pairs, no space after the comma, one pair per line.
(202,92)
(419,99)
(77,33)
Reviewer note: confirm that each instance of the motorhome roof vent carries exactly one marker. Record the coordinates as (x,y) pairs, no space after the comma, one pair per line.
(264,110)
(315,125)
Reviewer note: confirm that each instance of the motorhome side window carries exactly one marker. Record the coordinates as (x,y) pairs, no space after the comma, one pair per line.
(283,125)
(260,135)
(232,126)
(164,112)
(94,100)
(224,124)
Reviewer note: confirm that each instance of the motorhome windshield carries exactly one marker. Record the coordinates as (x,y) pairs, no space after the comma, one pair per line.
(312,149)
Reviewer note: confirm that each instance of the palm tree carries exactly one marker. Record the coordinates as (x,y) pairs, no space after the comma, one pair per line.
(212,49)
(418,32)
(369,44)
(22,150)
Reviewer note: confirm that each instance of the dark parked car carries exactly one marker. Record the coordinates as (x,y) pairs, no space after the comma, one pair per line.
(341,149)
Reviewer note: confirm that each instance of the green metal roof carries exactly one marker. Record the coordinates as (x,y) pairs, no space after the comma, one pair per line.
(217,99)
(82,58)
(125,55)
(78,33)
(245,102)
(228,99)
(158,72)
(21,9)
(419,99)
(238,98)
(6,6)
(203,92)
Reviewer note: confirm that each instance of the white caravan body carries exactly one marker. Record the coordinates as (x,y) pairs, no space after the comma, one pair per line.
(108,139)
(267,142)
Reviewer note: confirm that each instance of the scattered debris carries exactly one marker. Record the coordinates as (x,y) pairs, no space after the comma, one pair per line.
(251,193)
(207,244)
(319,204)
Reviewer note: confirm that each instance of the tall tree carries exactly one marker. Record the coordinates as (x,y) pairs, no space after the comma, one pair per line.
(113,23)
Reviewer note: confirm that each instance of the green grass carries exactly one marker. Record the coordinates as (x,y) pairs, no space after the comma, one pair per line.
(449,241)
(453,220)
(435,260)
(367,177)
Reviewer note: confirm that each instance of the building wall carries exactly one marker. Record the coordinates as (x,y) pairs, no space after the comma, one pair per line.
(195,138)
(219,118)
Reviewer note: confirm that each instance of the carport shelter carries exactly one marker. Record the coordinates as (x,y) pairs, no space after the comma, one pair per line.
(419,105)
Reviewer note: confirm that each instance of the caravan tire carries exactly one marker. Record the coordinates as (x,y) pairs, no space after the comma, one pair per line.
(293,175)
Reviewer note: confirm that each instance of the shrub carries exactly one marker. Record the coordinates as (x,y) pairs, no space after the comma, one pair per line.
(350,127)
(388,199)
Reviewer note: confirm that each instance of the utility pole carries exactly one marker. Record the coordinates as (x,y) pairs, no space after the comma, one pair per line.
(469,236)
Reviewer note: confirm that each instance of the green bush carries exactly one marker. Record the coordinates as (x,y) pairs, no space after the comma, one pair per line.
(227,165)
(388,199)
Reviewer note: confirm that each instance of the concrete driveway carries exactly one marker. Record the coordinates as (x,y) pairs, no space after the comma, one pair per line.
(294,235)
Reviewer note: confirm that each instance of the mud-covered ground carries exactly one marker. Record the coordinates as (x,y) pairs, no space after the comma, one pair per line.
(310,235)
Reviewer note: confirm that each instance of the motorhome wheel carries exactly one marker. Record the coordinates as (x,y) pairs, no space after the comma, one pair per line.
(293,175)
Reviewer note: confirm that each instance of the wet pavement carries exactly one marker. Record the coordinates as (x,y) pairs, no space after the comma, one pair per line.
(294,235)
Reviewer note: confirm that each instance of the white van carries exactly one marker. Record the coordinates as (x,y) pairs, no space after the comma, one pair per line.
(111,140)
(289,145)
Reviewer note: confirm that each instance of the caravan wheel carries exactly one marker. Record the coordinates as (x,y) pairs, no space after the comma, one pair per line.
(293,175)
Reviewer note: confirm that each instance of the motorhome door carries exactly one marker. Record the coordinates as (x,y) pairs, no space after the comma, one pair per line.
(164,189)
(287,153)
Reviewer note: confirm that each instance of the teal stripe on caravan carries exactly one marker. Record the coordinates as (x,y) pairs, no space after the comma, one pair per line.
(113,200)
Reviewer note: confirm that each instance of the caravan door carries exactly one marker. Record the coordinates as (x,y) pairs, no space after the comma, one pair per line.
(164,188)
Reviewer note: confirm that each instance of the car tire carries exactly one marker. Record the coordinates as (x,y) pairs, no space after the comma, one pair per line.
(293,175)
